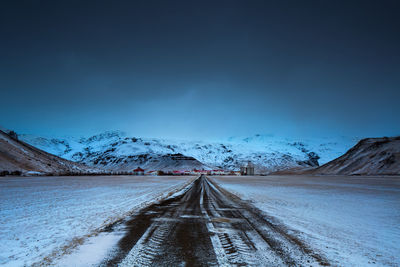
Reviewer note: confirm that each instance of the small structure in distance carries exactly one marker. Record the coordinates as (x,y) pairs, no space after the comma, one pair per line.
(138,171)
(247,170)
(219,172)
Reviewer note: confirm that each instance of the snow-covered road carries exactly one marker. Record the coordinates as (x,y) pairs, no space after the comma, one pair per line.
(204,225)
(47,216)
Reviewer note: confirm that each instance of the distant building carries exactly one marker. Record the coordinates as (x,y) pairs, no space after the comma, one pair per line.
(247,170)
(160,173)
(218,172)
(197,172)
(152,173)
(138,171)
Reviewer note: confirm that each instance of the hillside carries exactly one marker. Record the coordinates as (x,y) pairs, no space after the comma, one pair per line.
(21,158)
(371,156)
(116,150)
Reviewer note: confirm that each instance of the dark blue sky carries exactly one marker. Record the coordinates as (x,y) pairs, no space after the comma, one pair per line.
(201,69)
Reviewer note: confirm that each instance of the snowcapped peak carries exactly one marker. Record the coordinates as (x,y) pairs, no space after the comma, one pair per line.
(107,135)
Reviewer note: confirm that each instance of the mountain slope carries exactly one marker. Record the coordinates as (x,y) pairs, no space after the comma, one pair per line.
(371,156)
(19,157)
(115,150)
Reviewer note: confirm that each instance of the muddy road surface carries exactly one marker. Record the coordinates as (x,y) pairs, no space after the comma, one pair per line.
(207,226)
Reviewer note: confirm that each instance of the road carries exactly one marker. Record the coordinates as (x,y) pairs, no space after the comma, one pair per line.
(208,226)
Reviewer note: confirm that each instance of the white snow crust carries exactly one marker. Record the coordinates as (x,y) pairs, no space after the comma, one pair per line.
(46,216)
(353,221)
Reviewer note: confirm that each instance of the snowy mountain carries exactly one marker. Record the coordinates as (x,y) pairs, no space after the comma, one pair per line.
(18,157)
(371,156)
(115,150)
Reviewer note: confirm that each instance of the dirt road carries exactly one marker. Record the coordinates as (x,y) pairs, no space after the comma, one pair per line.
(207,226)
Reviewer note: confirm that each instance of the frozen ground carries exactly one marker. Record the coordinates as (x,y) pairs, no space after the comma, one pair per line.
(353,221)
(46,216)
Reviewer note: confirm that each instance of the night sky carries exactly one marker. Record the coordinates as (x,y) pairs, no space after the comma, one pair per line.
(201,69)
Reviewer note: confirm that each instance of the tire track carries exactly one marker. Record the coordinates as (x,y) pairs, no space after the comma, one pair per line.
(288,249)
(145,251)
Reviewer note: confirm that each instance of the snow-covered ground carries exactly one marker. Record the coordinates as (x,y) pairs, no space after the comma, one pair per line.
(353,221)
(46,216)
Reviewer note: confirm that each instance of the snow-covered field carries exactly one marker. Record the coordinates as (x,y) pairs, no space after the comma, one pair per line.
(47,216)
(353,221)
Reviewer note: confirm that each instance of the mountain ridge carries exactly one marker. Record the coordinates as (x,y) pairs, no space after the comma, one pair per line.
(18,157)
(115,150)
(370,156)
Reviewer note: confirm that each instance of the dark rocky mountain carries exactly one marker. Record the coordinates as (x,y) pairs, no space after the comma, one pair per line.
(370,156)
(18,157)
